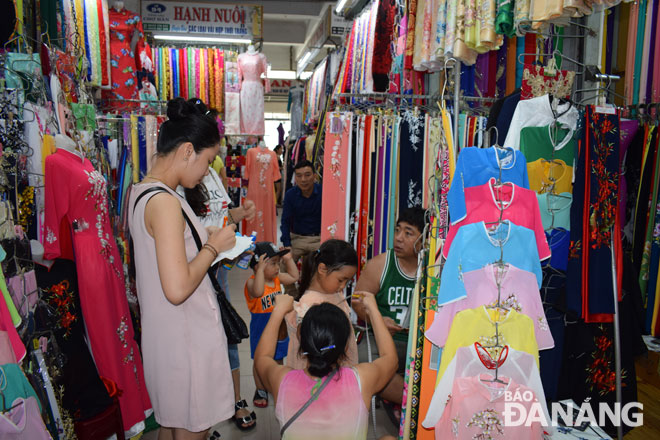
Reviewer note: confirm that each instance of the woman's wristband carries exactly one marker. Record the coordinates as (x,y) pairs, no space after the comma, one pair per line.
(231,218)
(211,249)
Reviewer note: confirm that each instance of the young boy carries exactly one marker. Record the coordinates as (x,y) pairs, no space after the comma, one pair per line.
(260,292)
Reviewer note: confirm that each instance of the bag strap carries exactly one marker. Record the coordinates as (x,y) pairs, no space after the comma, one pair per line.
(315,395)
(153,189)
(198,241)
(193,230)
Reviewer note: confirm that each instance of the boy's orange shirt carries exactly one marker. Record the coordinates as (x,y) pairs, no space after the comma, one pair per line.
(266,303)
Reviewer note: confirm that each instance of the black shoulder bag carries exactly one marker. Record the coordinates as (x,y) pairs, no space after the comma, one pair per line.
(235,328)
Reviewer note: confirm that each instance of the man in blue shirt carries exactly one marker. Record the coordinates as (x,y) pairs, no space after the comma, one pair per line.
(301,215)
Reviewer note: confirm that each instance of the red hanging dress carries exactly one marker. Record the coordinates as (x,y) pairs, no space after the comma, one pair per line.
(124,63)
(76,211)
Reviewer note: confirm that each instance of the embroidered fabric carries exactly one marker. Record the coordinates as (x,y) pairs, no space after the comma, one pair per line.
(518,367)
(536,82)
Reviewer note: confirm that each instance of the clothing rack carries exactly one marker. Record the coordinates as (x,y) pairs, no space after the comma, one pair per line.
(433,97)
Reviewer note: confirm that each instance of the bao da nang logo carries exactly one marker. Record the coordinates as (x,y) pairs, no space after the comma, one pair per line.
(523,409)
(156,8)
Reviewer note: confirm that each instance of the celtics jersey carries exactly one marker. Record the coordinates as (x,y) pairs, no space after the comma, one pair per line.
(396,289)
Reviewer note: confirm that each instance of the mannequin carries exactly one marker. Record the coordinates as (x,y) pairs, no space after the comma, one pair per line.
(262,170)
(251,65)
(295,108)
(77,217)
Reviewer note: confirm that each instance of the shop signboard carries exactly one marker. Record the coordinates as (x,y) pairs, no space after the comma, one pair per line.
(203,19)
(339,26)
(280,87)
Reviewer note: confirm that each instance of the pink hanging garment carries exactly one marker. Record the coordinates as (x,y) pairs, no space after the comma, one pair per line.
(519,366)
(630,51)
(519,205)
(336,171)
(24,292)
(262,171)
(476,408)
(519,291)
(23,421)
(7,355)
(250,69)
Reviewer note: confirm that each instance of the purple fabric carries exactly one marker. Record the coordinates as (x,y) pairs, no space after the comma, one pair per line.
(481,73)
(627,131)
(609,43)
(501,63)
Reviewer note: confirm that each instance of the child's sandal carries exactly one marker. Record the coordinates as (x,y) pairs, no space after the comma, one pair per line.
(260,395)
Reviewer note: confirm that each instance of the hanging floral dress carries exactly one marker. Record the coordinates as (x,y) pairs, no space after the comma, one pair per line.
(262,171)
(123,61)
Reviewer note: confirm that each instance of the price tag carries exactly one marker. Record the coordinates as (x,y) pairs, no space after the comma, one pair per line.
(606,109)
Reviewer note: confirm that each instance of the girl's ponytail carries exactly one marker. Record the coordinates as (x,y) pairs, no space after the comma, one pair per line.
(334,253)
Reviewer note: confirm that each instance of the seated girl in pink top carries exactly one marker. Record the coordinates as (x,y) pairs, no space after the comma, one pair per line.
(340,407)
(323,278)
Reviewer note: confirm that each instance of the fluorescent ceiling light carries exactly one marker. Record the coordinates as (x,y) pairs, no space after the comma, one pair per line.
(281,74)
(340,6)
(303,61)
(286,74)
(202,39)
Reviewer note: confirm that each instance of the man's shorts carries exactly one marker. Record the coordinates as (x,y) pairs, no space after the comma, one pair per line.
(401,351)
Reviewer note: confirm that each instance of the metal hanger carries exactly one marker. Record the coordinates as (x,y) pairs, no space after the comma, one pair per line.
(554,54)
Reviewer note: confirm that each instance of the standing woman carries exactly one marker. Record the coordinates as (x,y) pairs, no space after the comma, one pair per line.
(184,346)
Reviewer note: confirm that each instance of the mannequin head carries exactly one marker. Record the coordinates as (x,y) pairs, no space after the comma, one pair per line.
(118,5)
(251,49)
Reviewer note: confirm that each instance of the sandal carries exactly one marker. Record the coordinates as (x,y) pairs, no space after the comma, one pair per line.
(260,395)
(244,423)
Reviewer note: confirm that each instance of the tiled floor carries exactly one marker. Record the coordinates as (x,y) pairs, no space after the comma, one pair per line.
(267,425)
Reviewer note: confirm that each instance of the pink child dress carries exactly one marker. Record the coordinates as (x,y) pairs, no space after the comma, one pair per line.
(250,68)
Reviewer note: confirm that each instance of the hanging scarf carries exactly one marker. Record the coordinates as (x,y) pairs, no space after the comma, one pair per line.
(219,81)
(639,50)
(410,36)
(135,148)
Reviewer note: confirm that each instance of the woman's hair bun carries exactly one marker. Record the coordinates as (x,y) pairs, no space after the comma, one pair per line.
(179,108)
